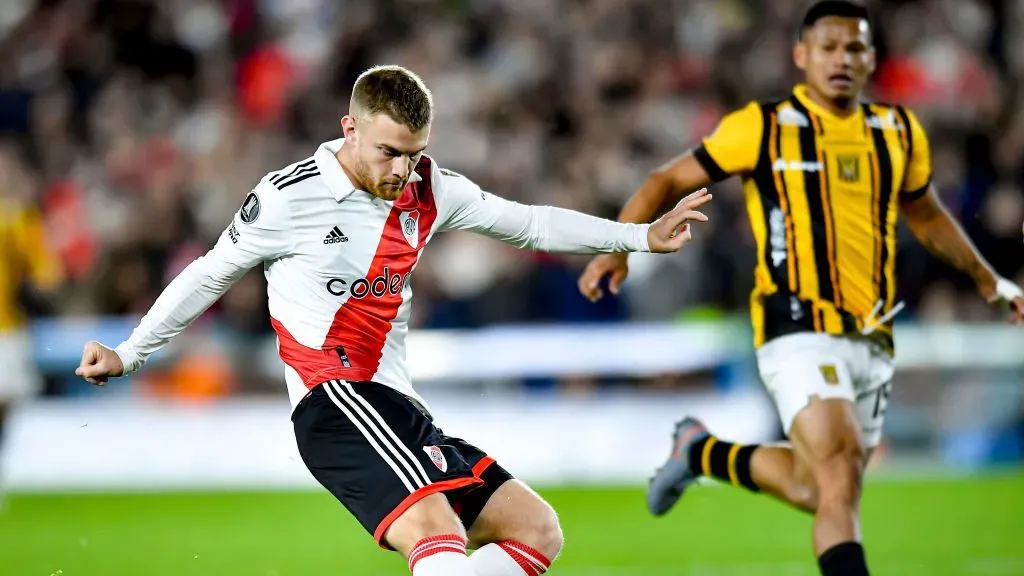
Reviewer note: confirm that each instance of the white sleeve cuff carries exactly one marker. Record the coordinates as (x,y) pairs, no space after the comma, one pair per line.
(130,359)
(640,242)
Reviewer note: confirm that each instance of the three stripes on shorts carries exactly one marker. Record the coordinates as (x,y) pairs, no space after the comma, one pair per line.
(372,426)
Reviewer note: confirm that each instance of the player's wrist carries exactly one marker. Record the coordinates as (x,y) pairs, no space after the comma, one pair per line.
(1007,290)
(130,359)
(986,280)
(642,237)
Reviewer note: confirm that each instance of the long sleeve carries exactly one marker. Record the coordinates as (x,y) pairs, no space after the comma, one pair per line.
(465,206)
(258,233)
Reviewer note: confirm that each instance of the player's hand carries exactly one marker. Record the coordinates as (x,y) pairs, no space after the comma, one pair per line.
(99,363)
(1005,293)
(616,265)
(670,232)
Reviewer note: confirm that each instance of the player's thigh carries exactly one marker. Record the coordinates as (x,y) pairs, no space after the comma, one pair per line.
(826,429)
(802,467)
(429,516)
(799,367)
(826,438)
(516,513)
(503,509)
(383,459)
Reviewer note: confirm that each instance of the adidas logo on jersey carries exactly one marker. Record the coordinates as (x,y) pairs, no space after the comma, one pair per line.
(335,236)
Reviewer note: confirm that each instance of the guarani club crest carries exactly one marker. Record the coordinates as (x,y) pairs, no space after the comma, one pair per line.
(437,457)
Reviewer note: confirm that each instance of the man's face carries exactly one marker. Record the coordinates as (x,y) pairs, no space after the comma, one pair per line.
(386,152)
(837,56)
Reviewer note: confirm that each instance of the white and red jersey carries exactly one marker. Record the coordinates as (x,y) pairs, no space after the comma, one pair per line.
(338,260)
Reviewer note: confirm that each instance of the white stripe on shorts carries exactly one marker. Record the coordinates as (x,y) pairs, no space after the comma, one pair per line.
(374,423)
(369,409)
(411,483)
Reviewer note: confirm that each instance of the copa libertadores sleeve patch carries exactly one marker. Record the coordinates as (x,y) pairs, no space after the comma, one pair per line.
(250,210)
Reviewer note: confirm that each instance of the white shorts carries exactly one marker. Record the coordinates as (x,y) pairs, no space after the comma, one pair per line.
(798,366)
(18,375)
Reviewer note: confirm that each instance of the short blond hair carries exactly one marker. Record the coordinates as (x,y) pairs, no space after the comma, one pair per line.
(395,91)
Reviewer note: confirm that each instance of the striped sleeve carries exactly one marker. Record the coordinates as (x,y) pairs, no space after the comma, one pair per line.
(734,146)
(919,162)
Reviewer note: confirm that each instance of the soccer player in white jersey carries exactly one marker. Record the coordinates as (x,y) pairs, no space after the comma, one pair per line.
(338,235)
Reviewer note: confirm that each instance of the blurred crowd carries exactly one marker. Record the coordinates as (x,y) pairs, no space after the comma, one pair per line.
(137,127)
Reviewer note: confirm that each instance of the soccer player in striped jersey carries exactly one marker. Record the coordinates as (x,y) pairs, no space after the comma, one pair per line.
(825,176)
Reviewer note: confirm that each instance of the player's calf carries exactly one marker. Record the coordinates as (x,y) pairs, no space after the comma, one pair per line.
(431,536)
(826,436)
(778,472)
(837,526)
(773,470)
(838,478)
(517,533)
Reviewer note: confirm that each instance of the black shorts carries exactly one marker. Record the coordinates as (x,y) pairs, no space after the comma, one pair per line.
(379,453)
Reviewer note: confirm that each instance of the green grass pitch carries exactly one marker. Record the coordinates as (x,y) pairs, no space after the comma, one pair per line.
(936,528)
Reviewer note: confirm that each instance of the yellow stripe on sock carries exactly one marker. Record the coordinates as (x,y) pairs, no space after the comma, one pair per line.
(705,457)
(733,477)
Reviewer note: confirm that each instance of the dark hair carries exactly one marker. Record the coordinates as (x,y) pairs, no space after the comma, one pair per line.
(826,8)
(394,91)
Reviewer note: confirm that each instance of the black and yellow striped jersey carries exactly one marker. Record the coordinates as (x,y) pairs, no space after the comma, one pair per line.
(822,194)
(24,256)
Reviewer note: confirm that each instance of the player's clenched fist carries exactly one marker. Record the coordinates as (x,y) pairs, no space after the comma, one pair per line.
(670,232)
(98,364)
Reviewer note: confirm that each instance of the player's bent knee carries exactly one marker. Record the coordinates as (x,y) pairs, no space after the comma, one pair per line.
(546,534)
(803,496)
(838,475)
(431,516)
(515,513)
(539,529)
(803,491)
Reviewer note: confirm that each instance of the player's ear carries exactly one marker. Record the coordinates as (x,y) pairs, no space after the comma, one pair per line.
(348,127)
(872,62)
(800,54)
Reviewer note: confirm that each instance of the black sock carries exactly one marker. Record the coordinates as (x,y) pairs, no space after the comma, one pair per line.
(845,559)
(724,460)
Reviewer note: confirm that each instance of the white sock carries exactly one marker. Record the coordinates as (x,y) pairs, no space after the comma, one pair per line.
(443,555)
(509,558)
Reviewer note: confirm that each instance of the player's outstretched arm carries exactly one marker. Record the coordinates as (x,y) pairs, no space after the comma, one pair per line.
(939,232)
(465,206)
(259,232)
